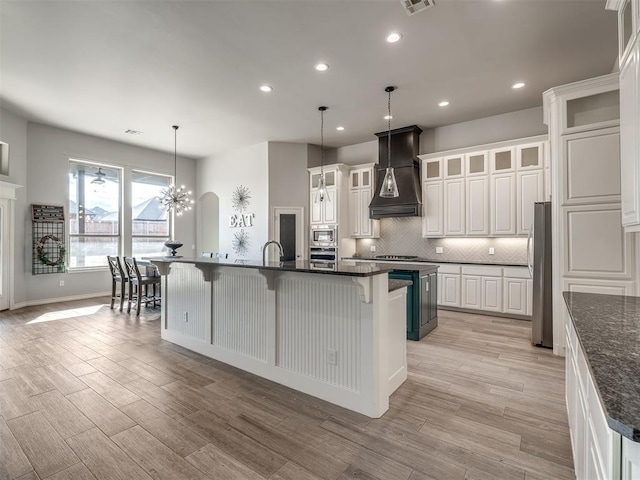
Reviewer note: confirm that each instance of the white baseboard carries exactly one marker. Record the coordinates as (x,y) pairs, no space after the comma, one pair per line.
(44,301)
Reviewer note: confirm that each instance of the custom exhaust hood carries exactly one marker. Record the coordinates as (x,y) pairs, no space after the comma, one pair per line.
(405,146)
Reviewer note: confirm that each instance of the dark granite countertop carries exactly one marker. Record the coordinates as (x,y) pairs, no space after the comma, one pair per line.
(396,284)
(608,328)
(341,268)
(432,260)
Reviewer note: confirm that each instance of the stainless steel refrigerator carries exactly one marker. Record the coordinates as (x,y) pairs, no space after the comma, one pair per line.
(539,244)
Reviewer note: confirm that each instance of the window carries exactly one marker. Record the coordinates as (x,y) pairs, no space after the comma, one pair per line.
(94,214)
(150,221)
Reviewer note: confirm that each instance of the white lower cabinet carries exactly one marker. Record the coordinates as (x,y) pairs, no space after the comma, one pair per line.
(450,290)
(596,448)
(630,459)
(491,294)
(472,292)
(485,287)
(517,292)
(515,296)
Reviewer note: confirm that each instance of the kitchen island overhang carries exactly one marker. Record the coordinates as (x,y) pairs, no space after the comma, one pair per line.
(336,335)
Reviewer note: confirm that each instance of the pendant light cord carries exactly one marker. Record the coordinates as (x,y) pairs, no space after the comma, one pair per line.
(175,154)
(322,110)
(389,130)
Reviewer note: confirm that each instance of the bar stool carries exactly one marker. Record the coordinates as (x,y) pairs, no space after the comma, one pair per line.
(139,286)
(117,276)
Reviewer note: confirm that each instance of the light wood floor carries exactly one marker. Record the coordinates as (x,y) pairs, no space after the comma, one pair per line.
(86,392)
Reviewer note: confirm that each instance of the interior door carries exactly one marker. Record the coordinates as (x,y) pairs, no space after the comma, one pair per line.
(288,229)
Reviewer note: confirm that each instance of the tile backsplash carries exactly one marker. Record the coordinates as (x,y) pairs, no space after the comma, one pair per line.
(403,236)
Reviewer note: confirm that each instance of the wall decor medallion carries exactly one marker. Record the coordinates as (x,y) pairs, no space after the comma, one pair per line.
(240,243)
(240,198)
(51,252)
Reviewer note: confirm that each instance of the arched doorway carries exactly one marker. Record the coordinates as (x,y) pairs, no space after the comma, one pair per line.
(208,222)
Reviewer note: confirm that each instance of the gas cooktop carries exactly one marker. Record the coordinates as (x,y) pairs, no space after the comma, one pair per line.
(397,258)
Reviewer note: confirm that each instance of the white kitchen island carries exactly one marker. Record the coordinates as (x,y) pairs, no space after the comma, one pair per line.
(336,335)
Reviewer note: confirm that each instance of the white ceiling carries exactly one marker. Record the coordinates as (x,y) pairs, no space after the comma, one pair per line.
(101,67)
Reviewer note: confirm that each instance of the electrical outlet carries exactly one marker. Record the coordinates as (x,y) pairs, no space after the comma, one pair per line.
(332,357)
(372,248)
(62,283)
(439,250)
(185,316)
(492,251)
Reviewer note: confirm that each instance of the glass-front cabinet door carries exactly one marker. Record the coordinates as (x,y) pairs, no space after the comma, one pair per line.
(530,156)
(503,160)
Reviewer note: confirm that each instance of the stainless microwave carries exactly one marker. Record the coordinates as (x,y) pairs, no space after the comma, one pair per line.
(324,235)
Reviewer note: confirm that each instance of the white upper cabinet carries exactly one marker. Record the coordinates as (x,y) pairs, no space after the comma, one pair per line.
(361,184)
(530,189)
(591,172)
(629,61)
(432,169)
(486,191)
(433,209)
(503,204)
(629,142)
(530,156)
(477,207)
(334,205)
(454,207)
(454,167)
(477,164)
(503,160)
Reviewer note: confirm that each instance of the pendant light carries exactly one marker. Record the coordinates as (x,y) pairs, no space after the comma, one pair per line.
(322,192)
(174,198)
(389,187)
(99,180)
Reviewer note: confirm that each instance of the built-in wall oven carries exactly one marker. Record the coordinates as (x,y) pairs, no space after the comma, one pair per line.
(324,235)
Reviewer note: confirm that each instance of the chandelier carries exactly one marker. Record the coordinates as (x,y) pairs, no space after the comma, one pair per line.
(173,197)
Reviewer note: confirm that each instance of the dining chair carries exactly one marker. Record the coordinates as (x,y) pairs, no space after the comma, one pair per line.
(139,286)
(118,275)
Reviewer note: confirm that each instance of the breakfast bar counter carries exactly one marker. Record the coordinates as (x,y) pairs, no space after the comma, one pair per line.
(335,334)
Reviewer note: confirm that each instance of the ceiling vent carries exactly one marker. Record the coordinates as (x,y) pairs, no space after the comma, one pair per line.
(414,6)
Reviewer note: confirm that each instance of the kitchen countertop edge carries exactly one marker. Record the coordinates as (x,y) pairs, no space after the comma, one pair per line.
(426,260)
(343,268)
(607,327)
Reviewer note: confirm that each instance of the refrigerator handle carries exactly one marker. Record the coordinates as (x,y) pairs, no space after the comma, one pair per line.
(529,265)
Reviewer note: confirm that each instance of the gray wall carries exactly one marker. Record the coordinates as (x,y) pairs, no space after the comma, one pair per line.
(288,177)
(508,126)
(39,161)
(13,130)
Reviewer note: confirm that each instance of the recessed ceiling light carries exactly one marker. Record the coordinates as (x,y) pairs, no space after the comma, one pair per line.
(340,129)
(394,37)
(388,117)
(444,103)
(266,88)
(321,67)
(518,85)
(133,132)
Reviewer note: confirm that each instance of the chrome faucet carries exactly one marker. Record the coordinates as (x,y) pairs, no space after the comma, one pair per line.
(264,250)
